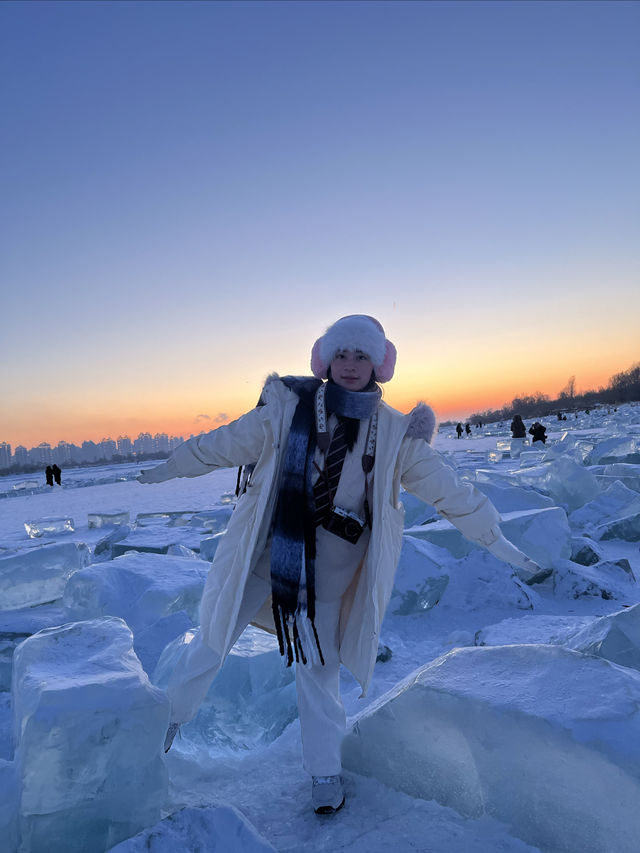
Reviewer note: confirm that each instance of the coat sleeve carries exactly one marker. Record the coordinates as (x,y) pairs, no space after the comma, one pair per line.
(424,473)
(238,443)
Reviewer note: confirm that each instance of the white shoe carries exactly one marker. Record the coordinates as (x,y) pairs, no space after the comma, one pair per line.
(172,731)
(327,794)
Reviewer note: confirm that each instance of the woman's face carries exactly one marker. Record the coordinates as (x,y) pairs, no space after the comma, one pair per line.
(351,370)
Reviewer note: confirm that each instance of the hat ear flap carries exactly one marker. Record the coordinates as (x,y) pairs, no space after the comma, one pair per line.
(385,371)
(318,367)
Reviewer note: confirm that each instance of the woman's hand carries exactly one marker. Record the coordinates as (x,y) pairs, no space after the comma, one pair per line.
(527,570)
(155,475)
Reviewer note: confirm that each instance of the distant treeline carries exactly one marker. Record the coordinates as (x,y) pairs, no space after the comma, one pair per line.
(116,459)
(622,388)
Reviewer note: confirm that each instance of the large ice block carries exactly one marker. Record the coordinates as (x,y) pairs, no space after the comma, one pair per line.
(104,547)
(443,534)
(543,534)
(39,575)
(510,498)
(481,582)
(88,729)
(251,701)
(108,519)
(626,528)
(214,829)
(569,483)
(213,520)
(542,738)
(422,577)
(615,449)
(49,527)
(615,502)
(608,580)
(626,473)
(615,637)
(416,511)
(585,551)
(139,588)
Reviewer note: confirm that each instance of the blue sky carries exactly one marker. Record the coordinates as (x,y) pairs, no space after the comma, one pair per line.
(192,192)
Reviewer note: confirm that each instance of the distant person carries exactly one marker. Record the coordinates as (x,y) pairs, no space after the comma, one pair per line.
(538,432)
(459,430)
(467,429)
(314,540)
(48,473)
(518,429)
(559,416)
(57,473)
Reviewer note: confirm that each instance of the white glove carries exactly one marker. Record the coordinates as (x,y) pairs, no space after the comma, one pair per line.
(527,570)
(155,475)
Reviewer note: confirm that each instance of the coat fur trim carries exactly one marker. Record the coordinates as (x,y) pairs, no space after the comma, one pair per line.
(423,423)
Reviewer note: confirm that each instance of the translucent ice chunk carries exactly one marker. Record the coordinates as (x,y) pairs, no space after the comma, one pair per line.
(422,577)
(213,520)
(569,483)
(613,503)
(139,588)
(608,580)
(104,519)
(507,498)
(494,456)
(456,730)
(626,528)
(529,458)
(251,701)
(49,526)
(177,518)
(615,637)
(615,449)
(25,485)
(39,575)
(543,534)
(416,511)
(89,729)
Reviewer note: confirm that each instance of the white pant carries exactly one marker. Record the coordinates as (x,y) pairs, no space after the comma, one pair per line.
(322,716)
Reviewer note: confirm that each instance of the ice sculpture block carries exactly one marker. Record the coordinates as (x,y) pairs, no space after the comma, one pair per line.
(458,728)
(106,519)
(49,526)
(139,588)
(252,699)
(88,731)
(39,575)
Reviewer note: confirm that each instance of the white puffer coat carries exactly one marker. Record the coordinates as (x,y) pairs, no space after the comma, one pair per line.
(260,437)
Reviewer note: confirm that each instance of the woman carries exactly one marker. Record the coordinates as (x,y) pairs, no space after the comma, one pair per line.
(314,541)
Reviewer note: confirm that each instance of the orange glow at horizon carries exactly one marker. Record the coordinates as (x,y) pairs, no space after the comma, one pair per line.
(455,393)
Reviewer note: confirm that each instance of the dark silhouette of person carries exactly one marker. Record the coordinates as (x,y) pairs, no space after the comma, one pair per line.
(57,473)
(48,473)
(459,430)
(518,429)
(539,432)
(467,429)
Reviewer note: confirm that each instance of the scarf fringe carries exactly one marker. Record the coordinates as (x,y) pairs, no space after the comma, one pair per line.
(289,640)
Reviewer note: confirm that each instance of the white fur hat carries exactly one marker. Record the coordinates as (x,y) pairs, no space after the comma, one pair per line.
(355,332)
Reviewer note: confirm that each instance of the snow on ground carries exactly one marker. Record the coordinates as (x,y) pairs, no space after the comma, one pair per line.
(266,784)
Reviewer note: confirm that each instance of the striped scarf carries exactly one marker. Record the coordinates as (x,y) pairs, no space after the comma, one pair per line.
(293,543)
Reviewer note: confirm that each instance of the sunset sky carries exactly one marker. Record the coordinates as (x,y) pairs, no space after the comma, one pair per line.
(191,192)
